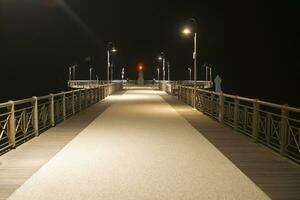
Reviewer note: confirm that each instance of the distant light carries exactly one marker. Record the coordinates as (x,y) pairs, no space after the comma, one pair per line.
(114,50)
(186,31)
(160,58)
(140,67)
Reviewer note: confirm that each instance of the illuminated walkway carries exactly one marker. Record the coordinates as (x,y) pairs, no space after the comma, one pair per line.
(139,148)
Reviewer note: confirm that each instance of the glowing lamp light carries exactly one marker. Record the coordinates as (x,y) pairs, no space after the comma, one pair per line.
(114,50)
(159,58)
(140,67)
(186,31)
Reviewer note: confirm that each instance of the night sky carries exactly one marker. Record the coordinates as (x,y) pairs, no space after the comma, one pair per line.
(252,45)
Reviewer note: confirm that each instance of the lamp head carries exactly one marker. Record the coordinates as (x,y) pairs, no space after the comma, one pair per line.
(186,31)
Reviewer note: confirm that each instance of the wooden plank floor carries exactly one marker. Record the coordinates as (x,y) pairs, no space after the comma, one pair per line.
(20,164)
(277,176)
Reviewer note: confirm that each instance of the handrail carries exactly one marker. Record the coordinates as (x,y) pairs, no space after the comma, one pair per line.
(26,118)
(266,103)
(277,126)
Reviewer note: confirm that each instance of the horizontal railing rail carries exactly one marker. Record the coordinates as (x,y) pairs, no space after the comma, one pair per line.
(276,126)
(90,83)
(172,87)
(24,119)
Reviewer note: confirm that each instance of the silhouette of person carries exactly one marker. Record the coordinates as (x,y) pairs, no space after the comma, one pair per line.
(218,82)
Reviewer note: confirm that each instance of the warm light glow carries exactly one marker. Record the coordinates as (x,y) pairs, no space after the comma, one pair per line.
(114,50)
(186,31)
(140,67)
(159,58)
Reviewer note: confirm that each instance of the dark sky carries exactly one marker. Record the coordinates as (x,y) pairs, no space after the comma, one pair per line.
(252,45)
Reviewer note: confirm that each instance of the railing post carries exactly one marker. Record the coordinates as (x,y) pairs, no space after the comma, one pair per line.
(73,102)
(52,116)
(221,108)
(212,103)
(64,105)
(283,129)
(255,117)
(99,93)
(11,124)
(79,100)
(236,113)
(35,115)
(85,98)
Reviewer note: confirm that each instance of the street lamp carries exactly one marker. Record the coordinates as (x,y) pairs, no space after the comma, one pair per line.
(74,71)
(91,69)
(188,31)
(162,57)
(122,74)
(70,73)
(168,63)
(110,49)
(210,73)
(206,72)
(157,74)
(190,73)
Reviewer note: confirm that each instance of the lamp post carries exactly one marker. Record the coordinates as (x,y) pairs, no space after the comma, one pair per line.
(111,71)
(162,57)
(70,73)
(110,49)
(188,31)
(190,73)
(91,69)
(122,74)
(157,74)
(168,64)
(206,72)
(74,71)
(210,73)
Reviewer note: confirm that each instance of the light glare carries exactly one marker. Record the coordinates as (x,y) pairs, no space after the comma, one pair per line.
(186,31)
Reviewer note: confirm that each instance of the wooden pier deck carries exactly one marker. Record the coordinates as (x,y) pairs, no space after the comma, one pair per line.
(158,148)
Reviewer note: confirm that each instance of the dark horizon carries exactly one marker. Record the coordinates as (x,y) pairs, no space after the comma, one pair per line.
(254,47)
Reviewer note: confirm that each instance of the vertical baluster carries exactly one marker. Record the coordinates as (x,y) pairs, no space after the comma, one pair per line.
(11,126)
(99,93)
(255,118)
(73,103)
(80,99)
(221,108)
(35,115)
(268,127)
(85,98)
(236,113)
(24,122)
(212,103)
(284,132)
(63,105)
(51,110)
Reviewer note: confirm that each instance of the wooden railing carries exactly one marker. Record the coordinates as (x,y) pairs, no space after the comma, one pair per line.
(27,118)
(276,126)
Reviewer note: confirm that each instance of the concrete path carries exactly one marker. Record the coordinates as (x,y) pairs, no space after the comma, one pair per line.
(139,148)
